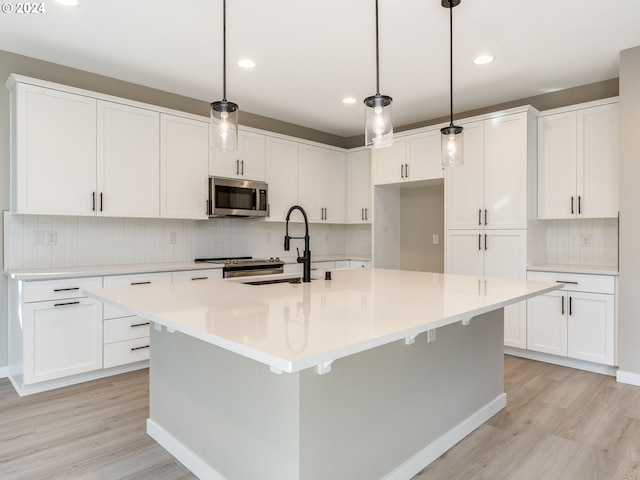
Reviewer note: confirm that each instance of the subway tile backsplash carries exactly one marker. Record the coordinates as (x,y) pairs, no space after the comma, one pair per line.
(67,242)
(582,241)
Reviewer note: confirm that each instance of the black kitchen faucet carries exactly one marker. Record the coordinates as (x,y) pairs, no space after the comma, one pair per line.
(306,256)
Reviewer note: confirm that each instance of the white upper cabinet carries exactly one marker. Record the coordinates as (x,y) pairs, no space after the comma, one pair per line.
(411,158)
(358,187)
(282,176)
(184,154)
(128,168)
(321,183)
(578,162)
(248,162)
(490,189)
(53,142)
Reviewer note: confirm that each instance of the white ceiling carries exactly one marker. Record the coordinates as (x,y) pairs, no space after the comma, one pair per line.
(312,53)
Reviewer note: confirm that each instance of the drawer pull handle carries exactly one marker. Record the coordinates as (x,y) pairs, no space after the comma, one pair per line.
(65,303)
(140,324)
(139,348)
(562,281)
(140,283)
(66,289)
(200,278)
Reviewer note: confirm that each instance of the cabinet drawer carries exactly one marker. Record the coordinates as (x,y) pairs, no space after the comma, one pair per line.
(125,328)
(129,351)
(141,279)
(577,282)
(38,291)
(188,275)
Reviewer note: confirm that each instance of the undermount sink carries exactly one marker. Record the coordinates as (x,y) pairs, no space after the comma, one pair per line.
(275,280)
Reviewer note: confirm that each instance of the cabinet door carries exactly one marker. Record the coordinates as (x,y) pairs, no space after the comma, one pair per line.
(505,255)
(505,172)
(557,166)
(389,164)
(61,338)
(591,327)
(463,252)
(464,185)
(128,161)
(358,187)
(184,153)
(55,151)
(248,162)
(547,323)
(424,152)
(282,177)
(598,165)
(310,181)
(333,193)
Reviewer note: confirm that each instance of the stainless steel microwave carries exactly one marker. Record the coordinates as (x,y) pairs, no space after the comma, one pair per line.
(230,197)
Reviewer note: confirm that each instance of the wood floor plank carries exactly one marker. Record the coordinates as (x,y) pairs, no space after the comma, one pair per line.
(559,424)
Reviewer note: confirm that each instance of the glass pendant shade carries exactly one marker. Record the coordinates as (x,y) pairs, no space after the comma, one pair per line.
(224,119)
(452,146)
(377,118)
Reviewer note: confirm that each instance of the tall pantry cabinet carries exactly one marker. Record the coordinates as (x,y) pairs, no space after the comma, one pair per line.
(487,204)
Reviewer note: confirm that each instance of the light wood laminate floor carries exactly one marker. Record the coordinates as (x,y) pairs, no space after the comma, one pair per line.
(559,423)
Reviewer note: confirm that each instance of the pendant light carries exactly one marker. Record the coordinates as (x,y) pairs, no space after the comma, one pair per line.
(377,116)
(452,136)
(224,114)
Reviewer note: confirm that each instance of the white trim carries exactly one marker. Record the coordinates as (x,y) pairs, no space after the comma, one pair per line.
(628,377)
(562,361)
(24,390)
(4,372)
(432,451)
(407,470)
(186,457)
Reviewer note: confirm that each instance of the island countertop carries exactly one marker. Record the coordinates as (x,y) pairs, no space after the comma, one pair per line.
(292,327)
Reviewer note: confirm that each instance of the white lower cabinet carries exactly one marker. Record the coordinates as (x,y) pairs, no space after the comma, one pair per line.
(61,330)
(126,336)
(577,321)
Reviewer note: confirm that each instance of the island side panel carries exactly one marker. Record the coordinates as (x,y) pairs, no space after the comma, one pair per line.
(378,409)
(240,419)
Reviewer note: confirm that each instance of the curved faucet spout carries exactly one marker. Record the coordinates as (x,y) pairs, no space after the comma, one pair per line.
(305,259)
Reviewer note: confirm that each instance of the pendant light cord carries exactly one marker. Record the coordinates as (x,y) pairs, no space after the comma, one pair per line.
(377,55)
(224,50)
(451,60)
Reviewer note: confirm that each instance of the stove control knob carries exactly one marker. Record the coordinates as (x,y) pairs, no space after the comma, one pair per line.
(271,259)
(277,259)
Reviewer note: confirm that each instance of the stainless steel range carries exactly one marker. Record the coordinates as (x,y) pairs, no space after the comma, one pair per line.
(246,266)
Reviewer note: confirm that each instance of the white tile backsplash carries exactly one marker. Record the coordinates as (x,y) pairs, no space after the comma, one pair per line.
(565,246)
(84,241)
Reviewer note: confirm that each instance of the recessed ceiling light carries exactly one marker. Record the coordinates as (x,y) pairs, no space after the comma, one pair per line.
(348,100)
(246,63)
(483,59)
(68,3)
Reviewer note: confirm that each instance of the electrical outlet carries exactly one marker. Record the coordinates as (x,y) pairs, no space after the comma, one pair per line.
(585,240)
(38,237)
(52,237)
(431,336)
(172,237)
(436,239)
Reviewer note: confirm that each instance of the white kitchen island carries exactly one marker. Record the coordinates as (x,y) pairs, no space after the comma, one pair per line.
(370,375)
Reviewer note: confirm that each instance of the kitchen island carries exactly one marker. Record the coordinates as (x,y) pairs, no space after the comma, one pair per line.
(372,374)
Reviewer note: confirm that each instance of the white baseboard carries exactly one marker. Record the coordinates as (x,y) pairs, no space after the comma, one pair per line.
(432,451)
(4,372)
(562,361)
(407,470)
(628,377)
(186,457)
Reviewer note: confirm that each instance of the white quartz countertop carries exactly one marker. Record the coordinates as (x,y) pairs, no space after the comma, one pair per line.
(586,269)
(292,327)
(32,274)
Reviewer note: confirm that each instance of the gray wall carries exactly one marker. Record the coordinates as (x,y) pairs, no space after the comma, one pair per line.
(12,63)
(629,281)
(422,215)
